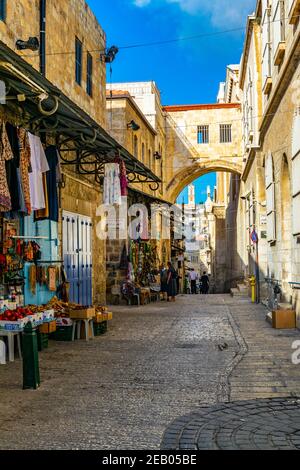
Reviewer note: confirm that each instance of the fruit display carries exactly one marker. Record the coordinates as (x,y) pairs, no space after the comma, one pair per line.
(15,315)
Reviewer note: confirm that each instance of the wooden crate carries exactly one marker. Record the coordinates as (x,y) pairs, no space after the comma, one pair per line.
(98,318)
(83,314)
(47,328)
(109,316)
(284,319)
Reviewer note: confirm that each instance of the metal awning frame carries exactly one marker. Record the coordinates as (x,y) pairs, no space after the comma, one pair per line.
(44,109)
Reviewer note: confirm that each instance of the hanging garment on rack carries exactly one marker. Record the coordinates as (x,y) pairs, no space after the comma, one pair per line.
(32,279)
(25,167)
(53,176)
(39,165)
(43,214)
(52,278)
(5,155)
(112,187)
(123,178)
(12,166)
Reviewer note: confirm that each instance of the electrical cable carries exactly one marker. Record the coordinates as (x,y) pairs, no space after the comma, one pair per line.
(155,43)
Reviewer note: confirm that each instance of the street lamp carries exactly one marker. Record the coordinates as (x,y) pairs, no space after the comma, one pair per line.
(133,125)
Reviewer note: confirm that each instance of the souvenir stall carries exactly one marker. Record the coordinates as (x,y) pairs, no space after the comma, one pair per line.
(31,273)
(142,274)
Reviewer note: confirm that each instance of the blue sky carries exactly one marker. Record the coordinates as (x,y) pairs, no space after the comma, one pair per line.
(187,71)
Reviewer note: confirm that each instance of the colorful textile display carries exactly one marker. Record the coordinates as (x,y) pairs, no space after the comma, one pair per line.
(25,167)
(123,179)
(5,155)
(52,178)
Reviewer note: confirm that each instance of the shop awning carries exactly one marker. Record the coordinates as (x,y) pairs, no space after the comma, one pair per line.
(139,196)
(44,108)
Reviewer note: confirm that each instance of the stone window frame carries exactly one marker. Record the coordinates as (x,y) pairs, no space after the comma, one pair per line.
(203,134)
(225,133)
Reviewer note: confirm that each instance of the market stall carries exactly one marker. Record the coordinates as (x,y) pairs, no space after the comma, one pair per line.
(142,282)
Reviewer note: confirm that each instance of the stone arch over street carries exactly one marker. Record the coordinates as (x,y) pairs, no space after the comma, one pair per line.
(187,175)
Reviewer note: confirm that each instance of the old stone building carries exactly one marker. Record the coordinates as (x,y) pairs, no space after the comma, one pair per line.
(269,82)
(143,136)
(65,61)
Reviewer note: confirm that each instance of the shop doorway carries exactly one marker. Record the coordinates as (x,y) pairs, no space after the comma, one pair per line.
(77,255)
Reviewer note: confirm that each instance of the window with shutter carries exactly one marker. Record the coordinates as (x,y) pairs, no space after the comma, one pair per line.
(296,172)
(270,191)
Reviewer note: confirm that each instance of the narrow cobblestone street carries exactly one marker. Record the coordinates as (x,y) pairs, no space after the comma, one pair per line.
(156,363)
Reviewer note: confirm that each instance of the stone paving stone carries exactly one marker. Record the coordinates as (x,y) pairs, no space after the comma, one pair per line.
(121,390)
(156,363)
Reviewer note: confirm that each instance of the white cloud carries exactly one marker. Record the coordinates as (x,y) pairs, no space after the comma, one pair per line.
(221,12)
(142,3)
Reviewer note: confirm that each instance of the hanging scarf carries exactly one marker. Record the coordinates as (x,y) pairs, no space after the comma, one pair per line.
(5,155)
(123,178)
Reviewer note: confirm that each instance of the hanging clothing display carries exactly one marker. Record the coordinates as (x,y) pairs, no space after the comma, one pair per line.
(112,186)
(12,166)
(39,165)
(25,167)
(52,177)
(43,214)
(5,155)
(123,179)
(52,278)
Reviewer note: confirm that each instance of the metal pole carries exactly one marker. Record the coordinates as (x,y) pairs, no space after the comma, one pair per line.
(31,373)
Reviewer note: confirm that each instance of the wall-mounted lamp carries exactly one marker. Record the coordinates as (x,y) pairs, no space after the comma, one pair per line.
(110,55)
(33,44)
(133,125)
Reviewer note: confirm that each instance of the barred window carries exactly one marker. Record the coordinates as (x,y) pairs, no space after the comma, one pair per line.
(2,10)
(203,135)
(225,133)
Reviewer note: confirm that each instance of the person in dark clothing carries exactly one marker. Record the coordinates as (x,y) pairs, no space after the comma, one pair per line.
(163,282)
(171,282)
(204,283)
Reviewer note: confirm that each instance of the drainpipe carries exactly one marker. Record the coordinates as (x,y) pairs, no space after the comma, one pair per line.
(43,37)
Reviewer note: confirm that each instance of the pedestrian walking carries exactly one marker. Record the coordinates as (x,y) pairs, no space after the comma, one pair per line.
(204,283)
(164,282)
(193,280)
(171,282)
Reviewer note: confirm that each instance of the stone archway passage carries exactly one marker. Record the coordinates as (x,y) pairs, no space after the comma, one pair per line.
(188,174)
(264,424)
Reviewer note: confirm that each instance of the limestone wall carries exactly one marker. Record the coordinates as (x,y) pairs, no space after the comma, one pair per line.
(65,20)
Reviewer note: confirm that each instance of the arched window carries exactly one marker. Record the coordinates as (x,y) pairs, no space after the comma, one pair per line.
(149,158)
(143,152)
(270,190)
(296,172)
(135,147)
